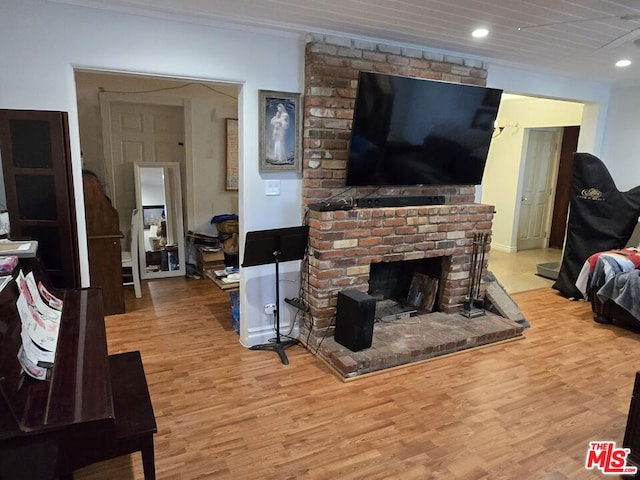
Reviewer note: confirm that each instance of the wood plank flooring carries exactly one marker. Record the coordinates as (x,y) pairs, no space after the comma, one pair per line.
(519,410)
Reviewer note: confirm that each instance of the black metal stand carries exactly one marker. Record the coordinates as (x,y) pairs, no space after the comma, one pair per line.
(279,345)
(276,246)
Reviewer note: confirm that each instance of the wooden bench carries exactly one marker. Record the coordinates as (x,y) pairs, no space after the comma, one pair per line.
(135,421)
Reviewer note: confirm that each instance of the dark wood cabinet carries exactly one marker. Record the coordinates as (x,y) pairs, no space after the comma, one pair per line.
(103,242)
(36,164)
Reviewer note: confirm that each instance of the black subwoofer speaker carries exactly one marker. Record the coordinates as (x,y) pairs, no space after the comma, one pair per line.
(354,319)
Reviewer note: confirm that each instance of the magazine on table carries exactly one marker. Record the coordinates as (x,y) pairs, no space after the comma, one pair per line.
(29,288)
(40,326)
(39,373)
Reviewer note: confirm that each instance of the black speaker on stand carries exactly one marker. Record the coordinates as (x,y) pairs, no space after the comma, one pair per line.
(355,315)
(279,245)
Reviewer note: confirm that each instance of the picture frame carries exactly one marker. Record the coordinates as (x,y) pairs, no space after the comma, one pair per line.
(151,215)
(231,154)
(280,131)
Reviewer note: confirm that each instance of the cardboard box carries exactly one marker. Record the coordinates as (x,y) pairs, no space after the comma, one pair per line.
(208,255)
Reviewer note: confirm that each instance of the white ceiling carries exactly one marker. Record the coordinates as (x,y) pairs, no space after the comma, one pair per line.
(587,47)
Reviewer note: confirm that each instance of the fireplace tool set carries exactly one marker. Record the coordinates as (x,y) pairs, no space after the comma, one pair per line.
(471,309)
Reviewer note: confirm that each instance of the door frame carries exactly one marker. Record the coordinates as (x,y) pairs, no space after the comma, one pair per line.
(562,198)
(552,174)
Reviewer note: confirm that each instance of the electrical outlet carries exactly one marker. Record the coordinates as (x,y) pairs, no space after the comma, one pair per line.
(269,308)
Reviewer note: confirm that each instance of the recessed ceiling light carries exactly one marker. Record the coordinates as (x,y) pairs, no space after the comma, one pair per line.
(623,63)
(480,33)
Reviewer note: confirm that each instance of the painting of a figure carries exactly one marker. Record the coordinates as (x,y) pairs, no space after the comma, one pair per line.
(279,132)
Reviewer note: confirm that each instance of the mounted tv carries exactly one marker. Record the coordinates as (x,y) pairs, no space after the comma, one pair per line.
(409,131)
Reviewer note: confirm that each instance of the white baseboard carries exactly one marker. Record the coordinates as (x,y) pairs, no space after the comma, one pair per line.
(259,336)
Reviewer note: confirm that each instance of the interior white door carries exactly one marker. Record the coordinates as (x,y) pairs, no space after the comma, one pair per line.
(537,191)
(141,133)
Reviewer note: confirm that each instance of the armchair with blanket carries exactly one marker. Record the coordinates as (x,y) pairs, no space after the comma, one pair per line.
(611,281)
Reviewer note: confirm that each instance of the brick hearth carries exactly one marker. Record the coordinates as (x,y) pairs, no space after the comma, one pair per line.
(418,338)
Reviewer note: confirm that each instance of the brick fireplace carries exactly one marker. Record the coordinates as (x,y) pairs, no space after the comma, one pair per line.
(344,245)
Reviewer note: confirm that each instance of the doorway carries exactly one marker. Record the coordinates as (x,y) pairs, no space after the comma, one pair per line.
(504,177)
(557,188)
(203,109)
(539,180)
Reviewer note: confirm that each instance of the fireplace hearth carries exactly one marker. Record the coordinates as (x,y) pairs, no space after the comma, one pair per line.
(419,338)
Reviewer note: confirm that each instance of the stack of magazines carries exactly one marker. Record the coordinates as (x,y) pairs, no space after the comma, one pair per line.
(40,313)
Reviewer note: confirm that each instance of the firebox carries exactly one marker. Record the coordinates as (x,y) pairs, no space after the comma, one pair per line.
(406,286)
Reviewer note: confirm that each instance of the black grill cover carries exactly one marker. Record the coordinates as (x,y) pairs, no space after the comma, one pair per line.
(600,218)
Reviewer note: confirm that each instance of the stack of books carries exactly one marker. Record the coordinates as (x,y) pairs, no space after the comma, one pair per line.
(225,278)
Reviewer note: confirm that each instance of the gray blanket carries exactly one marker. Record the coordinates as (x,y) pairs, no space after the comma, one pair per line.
(624,289)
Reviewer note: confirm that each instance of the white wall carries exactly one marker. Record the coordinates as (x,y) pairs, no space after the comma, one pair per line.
(43,42)
(621,151)
(502,182)
(594,95)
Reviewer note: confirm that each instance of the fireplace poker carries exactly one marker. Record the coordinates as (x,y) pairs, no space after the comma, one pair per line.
(472,272)
(475,276)
(483,245)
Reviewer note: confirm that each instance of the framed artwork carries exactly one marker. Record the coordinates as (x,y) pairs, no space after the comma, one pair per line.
(280,120)
(231,175)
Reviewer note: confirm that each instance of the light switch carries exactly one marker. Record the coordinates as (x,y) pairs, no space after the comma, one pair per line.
(272,187)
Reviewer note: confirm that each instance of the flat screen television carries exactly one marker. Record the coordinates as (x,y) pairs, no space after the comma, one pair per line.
(410,131)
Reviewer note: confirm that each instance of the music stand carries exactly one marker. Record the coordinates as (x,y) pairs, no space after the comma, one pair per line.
(279,245)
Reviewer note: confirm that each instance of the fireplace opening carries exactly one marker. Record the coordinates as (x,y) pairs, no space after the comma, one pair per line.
(407,287)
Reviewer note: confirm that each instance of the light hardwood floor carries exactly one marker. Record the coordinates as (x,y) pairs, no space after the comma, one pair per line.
(520,410)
